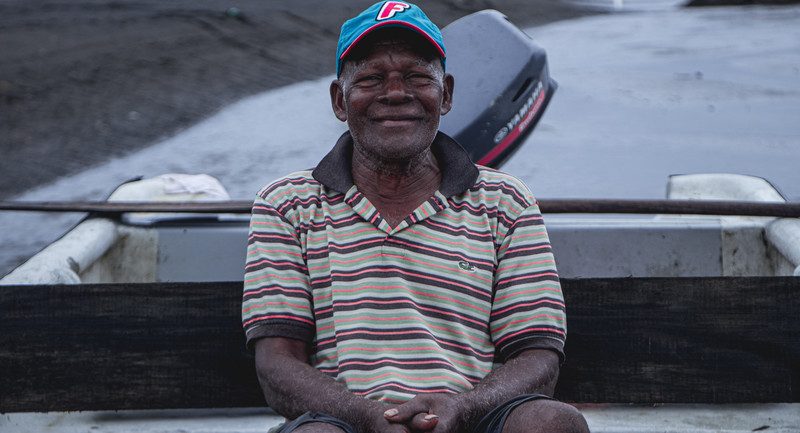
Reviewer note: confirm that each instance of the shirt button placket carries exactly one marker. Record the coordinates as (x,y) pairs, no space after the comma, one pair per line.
(386,245)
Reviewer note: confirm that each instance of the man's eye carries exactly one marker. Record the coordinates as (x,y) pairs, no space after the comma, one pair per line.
(418,78)
(368,80)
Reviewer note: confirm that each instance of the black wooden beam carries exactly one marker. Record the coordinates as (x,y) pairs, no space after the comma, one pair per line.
(124,346)
(180,345)
(682,340)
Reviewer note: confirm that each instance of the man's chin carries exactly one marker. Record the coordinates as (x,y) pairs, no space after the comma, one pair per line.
(396,152)
(399,141)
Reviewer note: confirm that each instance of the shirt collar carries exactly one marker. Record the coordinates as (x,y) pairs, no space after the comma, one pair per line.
(458,171)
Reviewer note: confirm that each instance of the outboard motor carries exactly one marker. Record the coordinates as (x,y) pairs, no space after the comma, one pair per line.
(502,86)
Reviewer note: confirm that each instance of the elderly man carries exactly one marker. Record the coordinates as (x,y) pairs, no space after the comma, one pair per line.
(399,287)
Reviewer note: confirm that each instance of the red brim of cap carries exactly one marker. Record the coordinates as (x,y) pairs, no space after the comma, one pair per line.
(395,24)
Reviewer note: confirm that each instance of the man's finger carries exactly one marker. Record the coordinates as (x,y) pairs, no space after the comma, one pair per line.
(405,411)
(424,422)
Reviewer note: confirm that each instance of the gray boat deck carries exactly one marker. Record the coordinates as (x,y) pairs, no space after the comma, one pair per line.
(613,418)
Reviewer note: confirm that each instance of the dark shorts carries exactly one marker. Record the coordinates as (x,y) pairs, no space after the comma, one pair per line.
(493,422)
(310,417)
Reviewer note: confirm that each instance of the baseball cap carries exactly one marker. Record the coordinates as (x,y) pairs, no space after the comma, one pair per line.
(382,15)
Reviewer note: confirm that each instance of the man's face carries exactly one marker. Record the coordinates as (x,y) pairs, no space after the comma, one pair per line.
(392,96)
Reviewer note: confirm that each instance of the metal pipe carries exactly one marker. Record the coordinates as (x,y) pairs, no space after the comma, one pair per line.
(547,206)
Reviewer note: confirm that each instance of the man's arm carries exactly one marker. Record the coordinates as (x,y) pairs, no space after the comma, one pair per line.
(292,387)
(529,372)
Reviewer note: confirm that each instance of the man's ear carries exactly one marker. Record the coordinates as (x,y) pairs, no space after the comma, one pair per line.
(337,100)
(447,93)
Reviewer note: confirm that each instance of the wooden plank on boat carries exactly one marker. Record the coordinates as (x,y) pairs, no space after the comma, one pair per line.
(682,340)
(124,346)
(180,345)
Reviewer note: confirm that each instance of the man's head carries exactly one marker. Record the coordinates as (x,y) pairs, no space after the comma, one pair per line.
(391,87)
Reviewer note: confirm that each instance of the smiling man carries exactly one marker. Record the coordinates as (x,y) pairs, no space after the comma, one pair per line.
(397,286)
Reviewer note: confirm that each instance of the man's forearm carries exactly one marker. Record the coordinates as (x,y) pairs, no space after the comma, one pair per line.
(530,372)
(293,387)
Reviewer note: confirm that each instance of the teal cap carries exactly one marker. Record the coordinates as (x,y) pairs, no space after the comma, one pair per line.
(382,15)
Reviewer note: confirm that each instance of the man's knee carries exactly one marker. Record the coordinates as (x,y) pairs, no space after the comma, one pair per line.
(318,427)
(315,422)
(545,416)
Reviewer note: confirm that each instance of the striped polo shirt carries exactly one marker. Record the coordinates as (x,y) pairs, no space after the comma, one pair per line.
(467,280)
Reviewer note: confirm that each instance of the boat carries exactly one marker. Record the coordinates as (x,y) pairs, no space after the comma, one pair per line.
(689,327)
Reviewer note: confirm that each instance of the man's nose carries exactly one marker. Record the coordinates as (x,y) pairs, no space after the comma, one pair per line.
(396,90)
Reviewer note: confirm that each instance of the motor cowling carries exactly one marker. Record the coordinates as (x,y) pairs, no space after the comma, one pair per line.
(502,86)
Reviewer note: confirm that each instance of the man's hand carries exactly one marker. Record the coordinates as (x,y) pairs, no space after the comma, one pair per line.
(530,372)
(291,387)
(439,413)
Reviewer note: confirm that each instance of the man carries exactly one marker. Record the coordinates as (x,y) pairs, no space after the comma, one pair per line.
(383,287)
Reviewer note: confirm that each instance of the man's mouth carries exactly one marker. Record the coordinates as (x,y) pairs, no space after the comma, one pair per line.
(396,120)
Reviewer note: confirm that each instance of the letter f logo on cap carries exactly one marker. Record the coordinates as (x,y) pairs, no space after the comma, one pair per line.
(390,9)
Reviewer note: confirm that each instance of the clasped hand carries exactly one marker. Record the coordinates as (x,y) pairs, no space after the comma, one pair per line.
(436,413)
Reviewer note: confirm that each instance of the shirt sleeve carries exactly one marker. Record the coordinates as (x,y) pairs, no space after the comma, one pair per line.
(528,309)
(277,294)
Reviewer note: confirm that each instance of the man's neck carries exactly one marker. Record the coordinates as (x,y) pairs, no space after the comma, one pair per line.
(396,188)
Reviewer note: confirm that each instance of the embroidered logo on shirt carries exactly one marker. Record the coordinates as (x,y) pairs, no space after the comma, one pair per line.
(466,266)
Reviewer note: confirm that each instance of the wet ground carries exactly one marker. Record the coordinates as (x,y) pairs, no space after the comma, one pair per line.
(85,80)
